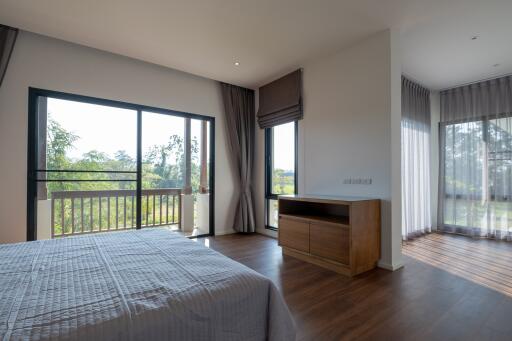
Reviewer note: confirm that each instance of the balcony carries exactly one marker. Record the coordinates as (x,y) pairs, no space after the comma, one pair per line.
(71,213)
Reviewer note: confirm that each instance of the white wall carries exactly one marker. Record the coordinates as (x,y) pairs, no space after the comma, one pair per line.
(351,128)
(52,64)
(392,237)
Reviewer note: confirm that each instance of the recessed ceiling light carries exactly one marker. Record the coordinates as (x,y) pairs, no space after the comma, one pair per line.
(474,37)
(237,63)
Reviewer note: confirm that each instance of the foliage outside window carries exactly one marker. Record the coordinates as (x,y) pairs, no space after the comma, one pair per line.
(280,150)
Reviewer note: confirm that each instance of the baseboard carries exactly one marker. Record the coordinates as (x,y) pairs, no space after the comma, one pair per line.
(388,266)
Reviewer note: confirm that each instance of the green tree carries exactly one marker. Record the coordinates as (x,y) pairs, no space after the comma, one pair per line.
(163,166)
(59,141)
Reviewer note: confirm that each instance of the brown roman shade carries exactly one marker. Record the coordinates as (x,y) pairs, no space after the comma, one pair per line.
(281,101)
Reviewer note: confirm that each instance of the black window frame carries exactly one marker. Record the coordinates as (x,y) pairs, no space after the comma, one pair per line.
(269,140)
(32,150)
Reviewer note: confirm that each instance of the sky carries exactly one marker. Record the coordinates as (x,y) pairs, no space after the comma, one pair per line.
(108,129)
(284,146)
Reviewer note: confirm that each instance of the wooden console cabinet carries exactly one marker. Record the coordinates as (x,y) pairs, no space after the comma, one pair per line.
(339,233)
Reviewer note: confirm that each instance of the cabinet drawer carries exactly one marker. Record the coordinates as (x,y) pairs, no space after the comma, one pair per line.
(330,241)
(294,234)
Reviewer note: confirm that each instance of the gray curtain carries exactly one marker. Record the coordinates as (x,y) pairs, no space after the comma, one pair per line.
(240,124)
(415,130)
(484,99)
(475,169)
(7,39)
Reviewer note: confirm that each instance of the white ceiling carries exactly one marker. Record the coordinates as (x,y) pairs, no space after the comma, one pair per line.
(272,37)
(437,49)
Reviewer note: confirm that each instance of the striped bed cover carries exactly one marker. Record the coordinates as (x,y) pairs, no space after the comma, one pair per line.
(148,284)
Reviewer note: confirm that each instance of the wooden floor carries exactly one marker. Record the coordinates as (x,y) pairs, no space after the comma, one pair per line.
(484,262)
(464,294)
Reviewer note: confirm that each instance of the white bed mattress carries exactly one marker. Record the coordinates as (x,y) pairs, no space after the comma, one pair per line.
(149,284)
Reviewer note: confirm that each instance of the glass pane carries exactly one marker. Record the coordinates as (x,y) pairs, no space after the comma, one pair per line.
(499,215)
(500,158)
(81,150)
(175,193)
(272,213)
(163,172)
(283,159)
(478,175)
(464,165)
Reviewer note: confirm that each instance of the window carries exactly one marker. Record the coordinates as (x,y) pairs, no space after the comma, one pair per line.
(97,165)
(280,166)
(478,176)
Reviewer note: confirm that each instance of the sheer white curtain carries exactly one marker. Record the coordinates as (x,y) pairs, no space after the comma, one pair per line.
(475,193)
(416,215)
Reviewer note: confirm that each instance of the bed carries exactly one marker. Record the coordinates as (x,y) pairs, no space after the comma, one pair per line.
(147,284)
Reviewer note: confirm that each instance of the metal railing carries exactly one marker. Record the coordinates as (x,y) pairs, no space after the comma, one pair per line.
(81,212)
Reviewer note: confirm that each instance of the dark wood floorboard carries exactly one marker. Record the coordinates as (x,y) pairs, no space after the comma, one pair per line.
(451,288)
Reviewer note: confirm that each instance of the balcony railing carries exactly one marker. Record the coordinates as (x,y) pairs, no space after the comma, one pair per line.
(81,212)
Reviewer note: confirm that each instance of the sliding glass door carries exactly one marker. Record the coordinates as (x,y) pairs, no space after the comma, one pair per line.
(477,157)
(175,182)
(97,166)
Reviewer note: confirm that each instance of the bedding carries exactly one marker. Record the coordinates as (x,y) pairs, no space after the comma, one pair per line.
(146,284)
